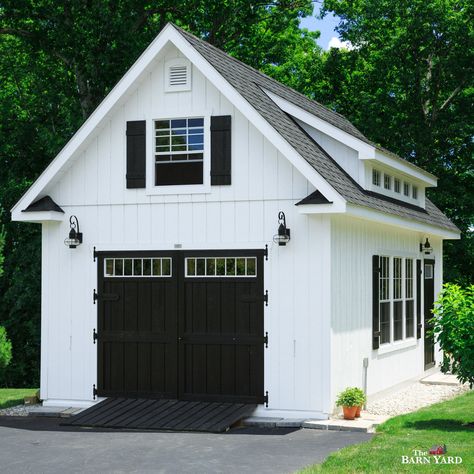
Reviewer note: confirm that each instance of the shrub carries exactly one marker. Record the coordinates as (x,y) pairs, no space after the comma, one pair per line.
(351,397)
(453,328)
(5,349)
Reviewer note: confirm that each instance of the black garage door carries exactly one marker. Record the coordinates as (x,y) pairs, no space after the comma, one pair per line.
(185,325)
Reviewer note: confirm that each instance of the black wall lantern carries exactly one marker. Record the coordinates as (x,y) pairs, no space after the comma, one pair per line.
(426,247)
(283,236)
(75,237)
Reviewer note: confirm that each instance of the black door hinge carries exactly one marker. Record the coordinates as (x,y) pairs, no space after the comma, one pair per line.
(94,254)
(94,336)
(265,252)
(265,399)
(265,297)
(94,392)
(104,297)
(265,340)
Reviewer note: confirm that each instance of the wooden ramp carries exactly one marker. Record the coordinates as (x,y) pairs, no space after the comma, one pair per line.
(174,415)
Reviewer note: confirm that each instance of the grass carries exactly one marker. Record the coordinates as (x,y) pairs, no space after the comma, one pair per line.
(450,423)
(14,396)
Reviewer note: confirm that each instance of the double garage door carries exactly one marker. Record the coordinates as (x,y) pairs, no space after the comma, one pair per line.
(181,325)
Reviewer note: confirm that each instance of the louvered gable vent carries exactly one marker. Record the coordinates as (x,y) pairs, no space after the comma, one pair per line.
(178,75)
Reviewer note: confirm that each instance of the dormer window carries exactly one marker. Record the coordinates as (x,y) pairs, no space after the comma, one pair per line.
(376,177)
(177,75)
(387,181)
(396,185)
(406,189)
(414,192)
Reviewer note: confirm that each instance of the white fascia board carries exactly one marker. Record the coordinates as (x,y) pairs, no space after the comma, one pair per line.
(430,180)
(95,119)
(170,34)
(364,149)
(38,216)
(321,208)
(410,224)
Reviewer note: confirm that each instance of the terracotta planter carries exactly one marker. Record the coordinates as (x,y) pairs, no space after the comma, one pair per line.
(349,412)
(357,415)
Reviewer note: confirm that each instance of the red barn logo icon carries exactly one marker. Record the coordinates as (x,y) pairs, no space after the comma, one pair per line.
(438,449)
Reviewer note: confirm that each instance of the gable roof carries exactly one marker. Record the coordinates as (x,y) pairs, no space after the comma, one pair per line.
(251,85)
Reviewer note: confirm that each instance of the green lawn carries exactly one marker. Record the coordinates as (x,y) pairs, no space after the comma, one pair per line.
(14,396)
(450,423)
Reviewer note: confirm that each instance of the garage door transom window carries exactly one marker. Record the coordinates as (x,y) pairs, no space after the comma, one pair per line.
(138,267)
(221,267)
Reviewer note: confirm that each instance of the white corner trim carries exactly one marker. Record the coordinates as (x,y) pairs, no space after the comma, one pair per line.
(410,224)
(365,150)
(38,216)
(170,34)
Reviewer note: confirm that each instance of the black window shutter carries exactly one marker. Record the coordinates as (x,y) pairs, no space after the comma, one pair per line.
(375,302)
(419,324)
(136,154)
(221,149)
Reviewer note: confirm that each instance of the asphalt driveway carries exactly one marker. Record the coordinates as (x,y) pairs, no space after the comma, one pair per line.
(43,446)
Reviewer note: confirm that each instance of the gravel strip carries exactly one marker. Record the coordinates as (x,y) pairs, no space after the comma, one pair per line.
(17,410)
(413,397)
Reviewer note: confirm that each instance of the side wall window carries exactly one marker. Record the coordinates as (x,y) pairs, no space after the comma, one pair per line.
(396,298)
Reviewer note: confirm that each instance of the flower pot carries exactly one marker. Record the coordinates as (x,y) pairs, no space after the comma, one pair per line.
(357,414)
(349,412)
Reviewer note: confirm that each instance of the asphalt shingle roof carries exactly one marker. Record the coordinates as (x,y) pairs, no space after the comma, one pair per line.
(250,84)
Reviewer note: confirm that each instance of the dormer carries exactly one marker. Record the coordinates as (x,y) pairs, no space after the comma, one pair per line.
(373,168)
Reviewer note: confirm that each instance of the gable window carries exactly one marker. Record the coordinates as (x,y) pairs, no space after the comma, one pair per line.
(396,185)
(396,299)
(414,192)
(387,181)
(376,177)
(406,189)
(179,151)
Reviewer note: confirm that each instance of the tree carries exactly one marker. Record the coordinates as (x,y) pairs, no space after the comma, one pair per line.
(5,349)
(408,85)
(453,327)
(2,245)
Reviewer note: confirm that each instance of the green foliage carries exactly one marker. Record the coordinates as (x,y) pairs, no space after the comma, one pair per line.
(408,85)
(351,397)
(2,245)
(5,349)
(454,330)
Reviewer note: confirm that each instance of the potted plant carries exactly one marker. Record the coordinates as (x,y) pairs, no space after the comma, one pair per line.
(363,399)
(350,399)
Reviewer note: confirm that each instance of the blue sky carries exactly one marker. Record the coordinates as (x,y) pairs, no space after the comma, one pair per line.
(325,26)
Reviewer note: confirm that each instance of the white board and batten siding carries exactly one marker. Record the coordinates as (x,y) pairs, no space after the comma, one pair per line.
(353,242)
(243,215)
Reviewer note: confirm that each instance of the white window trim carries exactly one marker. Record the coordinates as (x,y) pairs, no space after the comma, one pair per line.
(187,275)
(405,342)
(400,196)
(205,188)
